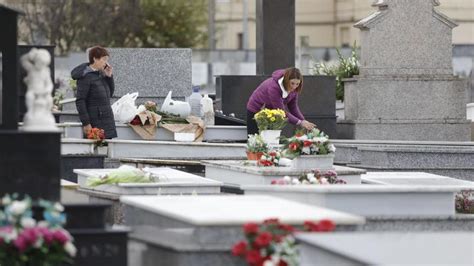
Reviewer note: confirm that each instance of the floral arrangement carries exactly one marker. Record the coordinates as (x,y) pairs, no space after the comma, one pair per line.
(270,119)
(98,135)
(272,242)
(316,177)
(465,201)
(345,68)
(151,106)
(24,240)
(314,142)
(123,174)
(255,143)
(271,158)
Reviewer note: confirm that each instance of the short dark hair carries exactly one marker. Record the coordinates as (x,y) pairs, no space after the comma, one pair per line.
(292,73)
(97,52)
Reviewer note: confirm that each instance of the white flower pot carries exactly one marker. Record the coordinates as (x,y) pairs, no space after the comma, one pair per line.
(271,137)
(101,150)
(312,162)
(470,111)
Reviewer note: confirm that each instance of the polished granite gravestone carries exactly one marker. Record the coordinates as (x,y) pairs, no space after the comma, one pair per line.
(200,230)
(386,248)
(238,173)
(152,72)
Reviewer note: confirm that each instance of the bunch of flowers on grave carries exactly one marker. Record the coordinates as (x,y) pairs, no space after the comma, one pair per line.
(123,174)
(256,146)
(24,240)
(151,106)
(315,177)
(465,201)
(272,242)
(270,119)
(98,135)
(314,142)
(271,158)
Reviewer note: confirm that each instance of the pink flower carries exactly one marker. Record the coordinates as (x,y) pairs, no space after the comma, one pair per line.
(60,236)
(20,243)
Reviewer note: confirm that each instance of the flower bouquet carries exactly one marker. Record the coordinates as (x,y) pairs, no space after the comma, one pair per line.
(316,177)
(255,147)
(271,158)
(272,242)
(465,201)
(123,174)
(270,122)
(98,135)
(23,240)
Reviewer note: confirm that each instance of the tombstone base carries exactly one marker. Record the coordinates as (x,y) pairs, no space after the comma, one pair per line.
(423,130)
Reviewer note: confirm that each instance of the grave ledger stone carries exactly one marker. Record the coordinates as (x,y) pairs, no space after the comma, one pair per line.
(406,90)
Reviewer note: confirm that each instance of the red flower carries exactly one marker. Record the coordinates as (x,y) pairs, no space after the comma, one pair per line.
(273,182)
(264,239)
(272,153)
(239,249)
(326,226)
(307,143)
(250,228)
(293,146)
(311,226)
(253,257)
(288,228)
(136,121)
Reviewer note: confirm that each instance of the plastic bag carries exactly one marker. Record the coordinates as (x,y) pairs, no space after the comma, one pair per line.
(124,109)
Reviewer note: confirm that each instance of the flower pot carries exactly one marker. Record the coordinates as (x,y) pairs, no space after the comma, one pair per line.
(101,150)
(254,156)
(271,137)
(311,162)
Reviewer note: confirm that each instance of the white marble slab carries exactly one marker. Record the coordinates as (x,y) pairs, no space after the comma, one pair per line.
(368,200)
(387,248)
(77,146)
(170,181)
(235,210)
(125,132)
(175,150)
(237,173)
(414,178)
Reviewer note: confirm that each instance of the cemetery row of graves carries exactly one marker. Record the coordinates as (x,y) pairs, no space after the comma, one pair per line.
(181,186)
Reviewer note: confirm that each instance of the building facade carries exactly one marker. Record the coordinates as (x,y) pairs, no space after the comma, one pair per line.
(323,23)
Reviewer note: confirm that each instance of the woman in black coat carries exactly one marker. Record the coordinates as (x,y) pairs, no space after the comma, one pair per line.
(95,86)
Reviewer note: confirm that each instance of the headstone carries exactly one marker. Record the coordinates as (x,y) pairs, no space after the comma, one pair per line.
(275,35)
(386,248)
(406,90)
(152,72)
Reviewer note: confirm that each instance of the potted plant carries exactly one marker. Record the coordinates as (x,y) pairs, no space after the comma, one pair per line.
(98,135)
(270,122)
(255,147)
(309,150)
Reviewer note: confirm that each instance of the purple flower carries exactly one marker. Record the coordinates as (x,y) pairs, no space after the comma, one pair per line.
(60,236)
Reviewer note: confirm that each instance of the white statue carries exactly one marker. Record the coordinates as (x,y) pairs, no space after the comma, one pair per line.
(39,100)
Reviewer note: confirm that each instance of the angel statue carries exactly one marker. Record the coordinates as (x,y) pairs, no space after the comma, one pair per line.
(38,99)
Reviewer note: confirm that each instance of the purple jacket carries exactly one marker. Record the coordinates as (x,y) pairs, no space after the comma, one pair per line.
(269,95)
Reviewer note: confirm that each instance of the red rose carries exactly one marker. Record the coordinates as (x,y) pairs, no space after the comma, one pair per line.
(311,226)
(326,226)
(307,143)
(293,146)
(288,228)
(239,249)
(250,228)
(253,257)
(136,121)
(272,153)
(264,239)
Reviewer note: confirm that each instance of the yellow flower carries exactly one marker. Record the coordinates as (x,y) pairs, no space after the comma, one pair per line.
(272,119)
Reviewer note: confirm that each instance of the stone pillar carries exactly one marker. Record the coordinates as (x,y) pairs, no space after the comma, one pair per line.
(406,89)
(275,35)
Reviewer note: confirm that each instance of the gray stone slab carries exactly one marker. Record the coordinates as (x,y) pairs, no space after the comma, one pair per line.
(239,173)
(369,200)
(414,179)
(152,71)
(387,248)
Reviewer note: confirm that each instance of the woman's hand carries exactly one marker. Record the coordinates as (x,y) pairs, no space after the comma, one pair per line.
(108,70)
(86,129)
(307,125)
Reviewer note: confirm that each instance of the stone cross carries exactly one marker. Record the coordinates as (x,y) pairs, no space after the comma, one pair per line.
(39,101)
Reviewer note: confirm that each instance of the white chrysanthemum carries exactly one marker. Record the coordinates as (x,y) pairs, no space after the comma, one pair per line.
(302,138)
(18,207)
(27,222)
(295,181)
(313,180)
(287,178)
(6,200)
(332,148)
(70,249)
(58,207)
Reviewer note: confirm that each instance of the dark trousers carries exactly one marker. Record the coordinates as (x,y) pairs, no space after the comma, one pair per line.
(252,127)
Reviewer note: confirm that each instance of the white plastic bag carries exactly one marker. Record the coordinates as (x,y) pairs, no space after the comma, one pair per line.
(183,109)
(124,109)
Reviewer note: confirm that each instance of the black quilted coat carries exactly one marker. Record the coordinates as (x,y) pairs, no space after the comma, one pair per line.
(94,90)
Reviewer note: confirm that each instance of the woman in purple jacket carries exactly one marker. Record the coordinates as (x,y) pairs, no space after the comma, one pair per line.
(278,92)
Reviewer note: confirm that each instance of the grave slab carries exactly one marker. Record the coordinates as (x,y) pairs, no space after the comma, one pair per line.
(368,200)
(247,173)
(174,150)
(386,248)
(415,179)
